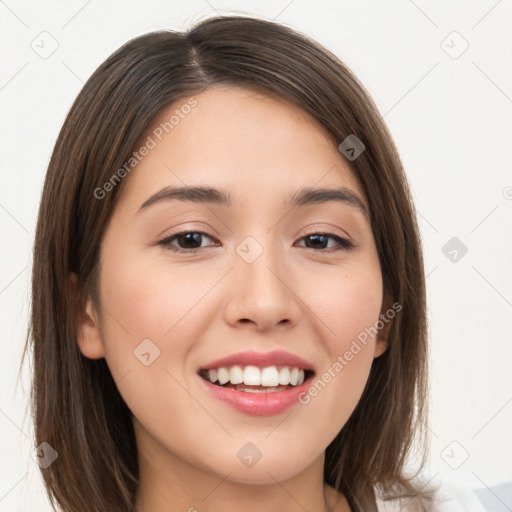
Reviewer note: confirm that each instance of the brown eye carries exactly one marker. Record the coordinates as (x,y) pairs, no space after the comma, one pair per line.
(187,241)
(321,241)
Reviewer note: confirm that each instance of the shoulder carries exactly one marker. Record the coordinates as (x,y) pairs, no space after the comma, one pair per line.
(436,493)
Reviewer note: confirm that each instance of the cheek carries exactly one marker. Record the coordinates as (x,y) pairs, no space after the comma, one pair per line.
(138,305)
(150,299)
(148,333)
(349,305)
(348,301)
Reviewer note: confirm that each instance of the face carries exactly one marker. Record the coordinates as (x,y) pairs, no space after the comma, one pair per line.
(184,283)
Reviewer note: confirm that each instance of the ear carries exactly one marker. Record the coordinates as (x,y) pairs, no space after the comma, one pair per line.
(88,333)
(382,342)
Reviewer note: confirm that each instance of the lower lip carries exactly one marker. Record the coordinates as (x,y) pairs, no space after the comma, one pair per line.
(257,404)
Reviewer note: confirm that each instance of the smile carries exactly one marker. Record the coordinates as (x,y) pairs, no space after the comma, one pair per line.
(252,379)
(256,383)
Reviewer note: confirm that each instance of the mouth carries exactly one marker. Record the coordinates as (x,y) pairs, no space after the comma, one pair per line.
(257,383)
(254,379)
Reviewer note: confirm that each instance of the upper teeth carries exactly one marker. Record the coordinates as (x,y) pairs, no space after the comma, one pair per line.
(253,376)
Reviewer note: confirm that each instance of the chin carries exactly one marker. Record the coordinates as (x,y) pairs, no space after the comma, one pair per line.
(265,471)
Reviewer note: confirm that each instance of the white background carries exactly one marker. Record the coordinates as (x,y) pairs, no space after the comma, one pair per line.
(452,122)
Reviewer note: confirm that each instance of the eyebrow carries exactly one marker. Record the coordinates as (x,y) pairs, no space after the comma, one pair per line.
(302,197)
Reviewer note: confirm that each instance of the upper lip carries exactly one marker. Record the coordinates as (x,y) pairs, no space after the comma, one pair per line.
(260,359)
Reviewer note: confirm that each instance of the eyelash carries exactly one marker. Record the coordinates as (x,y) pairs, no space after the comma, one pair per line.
(344,244)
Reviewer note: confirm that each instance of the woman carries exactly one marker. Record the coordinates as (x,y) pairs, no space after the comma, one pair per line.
(282,364)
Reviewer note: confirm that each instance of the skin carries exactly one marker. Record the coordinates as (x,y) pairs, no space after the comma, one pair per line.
(202,306)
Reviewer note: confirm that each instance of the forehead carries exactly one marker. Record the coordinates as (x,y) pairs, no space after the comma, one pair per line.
(233,138)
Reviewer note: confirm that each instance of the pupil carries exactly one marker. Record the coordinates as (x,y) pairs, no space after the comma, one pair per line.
(189,237)
(316,239)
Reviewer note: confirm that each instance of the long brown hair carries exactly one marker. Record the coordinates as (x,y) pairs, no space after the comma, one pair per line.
(76,406)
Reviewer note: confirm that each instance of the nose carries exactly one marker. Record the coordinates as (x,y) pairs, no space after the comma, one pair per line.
(260,294)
